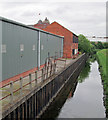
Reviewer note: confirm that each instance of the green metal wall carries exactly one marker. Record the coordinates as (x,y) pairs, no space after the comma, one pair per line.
(49,44)
(16,61)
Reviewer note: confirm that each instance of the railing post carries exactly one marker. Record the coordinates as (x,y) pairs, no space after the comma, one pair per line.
(11,92)
(65,64)
(42,75)
(35,77)
(47,72)
(30,85)
(66,56)
(21,85)
(51,70)
(55,55)
(55,68)
(60,54)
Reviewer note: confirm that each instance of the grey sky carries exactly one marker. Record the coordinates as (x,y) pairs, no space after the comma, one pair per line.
(88,18)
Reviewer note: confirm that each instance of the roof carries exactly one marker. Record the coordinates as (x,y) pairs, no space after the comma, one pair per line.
(23,25)
(61,26)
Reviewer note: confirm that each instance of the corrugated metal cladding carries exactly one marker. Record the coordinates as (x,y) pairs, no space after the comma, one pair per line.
(49,46)
(20,47)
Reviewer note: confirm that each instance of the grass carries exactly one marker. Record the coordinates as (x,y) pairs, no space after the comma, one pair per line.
(102,57)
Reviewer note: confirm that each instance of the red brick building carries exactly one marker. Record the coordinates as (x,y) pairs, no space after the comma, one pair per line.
(70,45)
(42,25)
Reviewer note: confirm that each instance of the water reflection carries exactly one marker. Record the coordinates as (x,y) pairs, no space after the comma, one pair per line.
(55,107)
(84,73)
(87,101)
(72,91)
(80,100)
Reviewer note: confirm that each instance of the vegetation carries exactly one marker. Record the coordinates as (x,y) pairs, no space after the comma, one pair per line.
(102,57)
(105,45)
(100,45)
(84,45)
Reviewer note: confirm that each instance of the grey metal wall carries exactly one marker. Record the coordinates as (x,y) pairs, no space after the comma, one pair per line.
(15,60)
(49,44)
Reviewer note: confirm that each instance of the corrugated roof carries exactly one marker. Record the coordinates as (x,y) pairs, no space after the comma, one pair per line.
(23,25)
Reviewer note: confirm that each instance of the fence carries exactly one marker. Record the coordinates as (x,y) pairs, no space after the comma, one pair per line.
(20,87)
(37,101)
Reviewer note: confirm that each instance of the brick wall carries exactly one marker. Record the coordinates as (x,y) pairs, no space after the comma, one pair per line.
(68,44)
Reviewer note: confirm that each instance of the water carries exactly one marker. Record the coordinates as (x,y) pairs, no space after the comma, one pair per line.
(83,99)
(87,101)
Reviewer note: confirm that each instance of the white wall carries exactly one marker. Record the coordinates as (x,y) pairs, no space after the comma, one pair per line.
(76,51)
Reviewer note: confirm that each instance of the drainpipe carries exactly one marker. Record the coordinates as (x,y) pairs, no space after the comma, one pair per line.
(0,57)
(38,50)
(61,55)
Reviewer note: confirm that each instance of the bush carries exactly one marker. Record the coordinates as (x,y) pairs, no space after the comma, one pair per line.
(105,45)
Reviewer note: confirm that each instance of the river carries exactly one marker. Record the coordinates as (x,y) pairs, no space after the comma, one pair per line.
(85,100)
(88,97)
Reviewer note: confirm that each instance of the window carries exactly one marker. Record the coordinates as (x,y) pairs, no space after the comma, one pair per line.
(3,48)
(21,47)
(75,39)
(41,47)
(33,47)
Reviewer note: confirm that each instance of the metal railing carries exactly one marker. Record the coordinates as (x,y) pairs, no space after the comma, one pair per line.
(14,89)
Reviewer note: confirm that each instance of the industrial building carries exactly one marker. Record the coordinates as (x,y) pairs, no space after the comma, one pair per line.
(24,48)
(70,44)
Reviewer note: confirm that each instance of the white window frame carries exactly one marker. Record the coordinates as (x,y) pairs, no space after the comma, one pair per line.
(42,47)
(3,48)
(21,47)
(34,48)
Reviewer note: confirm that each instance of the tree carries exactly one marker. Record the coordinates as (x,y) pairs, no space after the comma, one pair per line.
(83,44)
(92,49)
(100,45)
(94,44)
(105,45)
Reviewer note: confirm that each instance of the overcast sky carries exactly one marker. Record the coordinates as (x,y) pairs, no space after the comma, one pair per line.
(88,18)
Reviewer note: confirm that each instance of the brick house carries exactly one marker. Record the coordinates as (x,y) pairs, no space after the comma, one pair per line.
(70,45)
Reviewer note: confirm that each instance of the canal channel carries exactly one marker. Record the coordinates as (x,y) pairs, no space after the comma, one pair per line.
(81,99)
